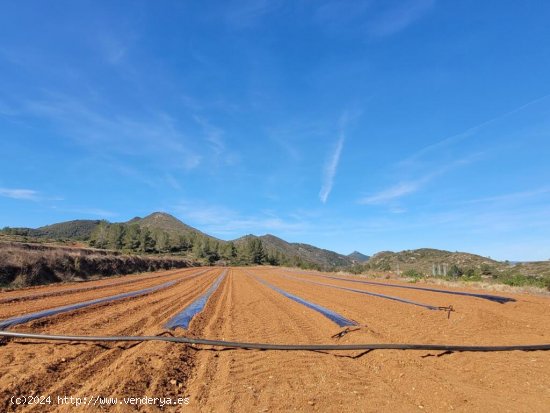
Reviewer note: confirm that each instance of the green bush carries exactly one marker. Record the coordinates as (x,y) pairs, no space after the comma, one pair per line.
(455,271)
(356,269)
(412,273)
(486,269)
(520,280)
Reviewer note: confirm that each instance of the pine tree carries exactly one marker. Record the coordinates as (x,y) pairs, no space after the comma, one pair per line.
(162,241)
(146,242)
(255,251)
(115,236)
(132,237)
(99,236)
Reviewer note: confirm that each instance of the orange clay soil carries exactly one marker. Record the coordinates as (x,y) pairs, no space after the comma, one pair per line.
(243,309)
(49,299)
(80,370)
(33,293)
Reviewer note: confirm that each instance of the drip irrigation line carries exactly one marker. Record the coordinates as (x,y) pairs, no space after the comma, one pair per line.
(25,318)
(491,297)
(333,316)
(448,309)
(184,317)
(281,347)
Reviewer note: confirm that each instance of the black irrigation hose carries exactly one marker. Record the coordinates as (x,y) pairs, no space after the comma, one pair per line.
(491,297)
(387,297)
(282,347)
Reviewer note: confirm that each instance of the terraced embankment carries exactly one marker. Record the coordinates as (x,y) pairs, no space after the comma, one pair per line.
(243,308)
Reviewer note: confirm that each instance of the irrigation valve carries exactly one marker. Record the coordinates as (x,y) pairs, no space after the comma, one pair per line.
(448,309)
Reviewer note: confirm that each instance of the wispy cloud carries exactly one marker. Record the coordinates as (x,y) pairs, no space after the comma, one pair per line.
(155,136)
(338,13)
(23,194)
(394,192)
(429,159)
(292,135)
(332,164)
(459,137)
(511,197)
(249,13)
(6,110)
(214,136)
(396,19)
(220,220)
(96,212)
(172,181)
(113,47)
(375,18)
(408,187)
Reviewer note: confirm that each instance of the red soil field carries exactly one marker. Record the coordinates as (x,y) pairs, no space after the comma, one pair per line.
(244,309)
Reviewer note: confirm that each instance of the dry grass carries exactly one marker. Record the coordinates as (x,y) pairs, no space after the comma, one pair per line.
(24,265)
(488,284)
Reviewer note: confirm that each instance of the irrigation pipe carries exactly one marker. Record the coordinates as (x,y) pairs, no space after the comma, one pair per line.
(281,347)
(491,297)
(333,316)
(448,309)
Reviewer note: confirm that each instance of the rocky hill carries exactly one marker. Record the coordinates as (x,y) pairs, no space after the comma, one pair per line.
(295,253)
(160,221)
(162,233)
(423,260)
(77,230)
(358,257)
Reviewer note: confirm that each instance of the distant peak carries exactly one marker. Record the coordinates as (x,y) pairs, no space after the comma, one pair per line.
(159,214)
(358,256)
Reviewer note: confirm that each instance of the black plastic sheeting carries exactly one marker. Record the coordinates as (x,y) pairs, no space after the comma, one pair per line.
(495,298)
(183,318)
(340,320)
(388,297)
(73,290)
(57,310)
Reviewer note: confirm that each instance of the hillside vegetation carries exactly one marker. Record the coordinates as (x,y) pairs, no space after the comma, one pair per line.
(78,230)
(23,265)
(428,262)
(162,234)
(281,252)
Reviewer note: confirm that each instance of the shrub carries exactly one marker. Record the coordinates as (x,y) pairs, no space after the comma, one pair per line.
(412,273)
(455,271)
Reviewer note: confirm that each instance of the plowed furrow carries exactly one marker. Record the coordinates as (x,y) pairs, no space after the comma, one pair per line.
(88,369)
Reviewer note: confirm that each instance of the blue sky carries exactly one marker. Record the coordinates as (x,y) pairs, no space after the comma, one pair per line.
(351,125)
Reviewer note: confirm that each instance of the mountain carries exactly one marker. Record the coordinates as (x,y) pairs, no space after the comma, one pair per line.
(78,230)
(424,259)
(170,235)
(170,224)
(358,257)
(297,253)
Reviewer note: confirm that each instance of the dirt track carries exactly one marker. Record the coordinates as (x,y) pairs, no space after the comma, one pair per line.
(243,309)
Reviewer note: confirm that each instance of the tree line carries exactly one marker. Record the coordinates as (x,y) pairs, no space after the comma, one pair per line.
(137,239)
